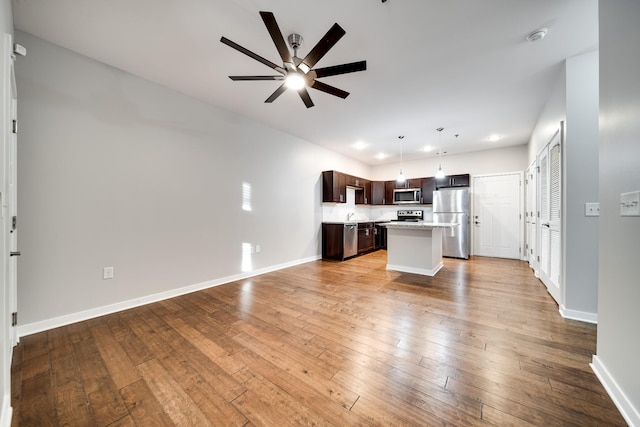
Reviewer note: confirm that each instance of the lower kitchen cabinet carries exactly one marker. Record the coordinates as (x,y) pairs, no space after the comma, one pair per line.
(381,236)
(366,237)
(340,241)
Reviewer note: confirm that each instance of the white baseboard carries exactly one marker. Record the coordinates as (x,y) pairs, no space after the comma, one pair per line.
(7,412)
(624,405)
(582,316)
(45,325)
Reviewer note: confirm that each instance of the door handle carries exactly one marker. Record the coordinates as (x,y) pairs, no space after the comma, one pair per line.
(476,222)
(545,225)
(16,253)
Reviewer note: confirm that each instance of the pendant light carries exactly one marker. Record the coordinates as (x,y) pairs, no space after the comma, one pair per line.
(401,179)
(440,172)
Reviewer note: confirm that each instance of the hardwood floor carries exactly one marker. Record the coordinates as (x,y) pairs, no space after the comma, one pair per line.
(324,343)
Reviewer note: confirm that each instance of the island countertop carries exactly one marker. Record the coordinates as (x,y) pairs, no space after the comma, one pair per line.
(420,225)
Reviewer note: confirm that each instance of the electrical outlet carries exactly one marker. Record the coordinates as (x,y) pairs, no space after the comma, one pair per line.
(592,209)
(257,248)
(107,273)
(630,204)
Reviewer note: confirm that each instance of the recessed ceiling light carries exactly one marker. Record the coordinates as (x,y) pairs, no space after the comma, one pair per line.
(494,137)
(427,149)
(537,35)
(360,145)
(381,155)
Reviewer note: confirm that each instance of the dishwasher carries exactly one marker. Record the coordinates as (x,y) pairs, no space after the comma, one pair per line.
(350,242)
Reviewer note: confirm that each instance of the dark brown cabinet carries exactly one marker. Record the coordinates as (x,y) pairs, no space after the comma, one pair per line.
(460,180)
(381,237)
(333,241)
(366,237)
(414,183)
(334,187)
(363,192)
(389,186)
(428,186)
(377,192)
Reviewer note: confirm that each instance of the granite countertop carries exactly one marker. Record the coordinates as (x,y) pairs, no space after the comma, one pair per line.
(418,225)
(355,221)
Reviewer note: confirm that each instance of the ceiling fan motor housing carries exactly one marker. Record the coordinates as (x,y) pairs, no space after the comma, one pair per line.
(295,41)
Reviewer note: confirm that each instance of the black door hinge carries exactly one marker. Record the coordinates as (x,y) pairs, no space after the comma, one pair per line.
(14,128)
(14,318)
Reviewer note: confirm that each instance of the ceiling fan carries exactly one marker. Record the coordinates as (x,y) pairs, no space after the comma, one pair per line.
(299,73)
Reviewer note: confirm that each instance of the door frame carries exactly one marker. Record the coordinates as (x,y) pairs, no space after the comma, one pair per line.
(531,209)
(520,208)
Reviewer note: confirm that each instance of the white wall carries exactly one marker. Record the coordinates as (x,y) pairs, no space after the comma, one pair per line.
(509,159)
(618,352)
(117,171)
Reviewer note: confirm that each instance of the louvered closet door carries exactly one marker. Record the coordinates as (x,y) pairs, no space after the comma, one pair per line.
(548,224)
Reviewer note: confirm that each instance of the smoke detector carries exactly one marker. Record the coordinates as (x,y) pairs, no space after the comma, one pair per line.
(538,34)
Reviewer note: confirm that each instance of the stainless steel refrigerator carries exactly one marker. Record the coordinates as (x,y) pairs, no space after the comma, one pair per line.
(452,205)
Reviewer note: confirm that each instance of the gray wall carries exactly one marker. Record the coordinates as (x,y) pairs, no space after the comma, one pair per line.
(618,351)
(574,100)
(580,185)
(117,171)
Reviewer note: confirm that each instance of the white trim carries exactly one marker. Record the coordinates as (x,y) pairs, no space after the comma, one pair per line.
(582,316)
(620,399)
(424,271)
(68,319)
(7,412)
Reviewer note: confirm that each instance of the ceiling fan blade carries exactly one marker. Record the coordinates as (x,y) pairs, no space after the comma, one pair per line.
(341,69)
(277,93)
(334,34)
(276,36)
(240,78)
(247,52)
(304,94)
(329,89)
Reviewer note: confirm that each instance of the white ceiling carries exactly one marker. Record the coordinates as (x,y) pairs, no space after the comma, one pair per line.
(464,65)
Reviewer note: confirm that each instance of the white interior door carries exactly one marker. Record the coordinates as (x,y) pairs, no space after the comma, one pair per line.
(531,181)
(548,224)
(497,215)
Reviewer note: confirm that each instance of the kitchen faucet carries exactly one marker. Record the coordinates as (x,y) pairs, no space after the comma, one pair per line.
(349,215)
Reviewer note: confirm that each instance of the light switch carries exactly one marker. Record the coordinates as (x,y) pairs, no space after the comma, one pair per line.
(630,204)
(592,209)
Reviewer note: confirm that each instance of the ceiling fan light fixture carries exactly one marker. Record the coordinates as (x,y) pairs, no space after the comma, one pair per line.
(294,81)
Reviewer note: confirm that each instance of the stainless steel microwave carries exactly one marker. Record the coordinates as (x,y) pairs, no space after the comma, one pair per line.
(406,195)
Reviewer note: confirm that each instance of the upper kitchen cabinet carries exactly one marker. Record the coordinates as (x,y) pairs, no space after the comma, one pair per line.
(461,180)
(334,187)
(363,192)
(428,186)
(377,192)
(389,186)
(413,183)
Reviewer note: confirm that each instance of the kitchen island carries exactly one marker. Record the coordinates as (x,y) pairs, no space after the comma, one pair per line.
(415,247)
